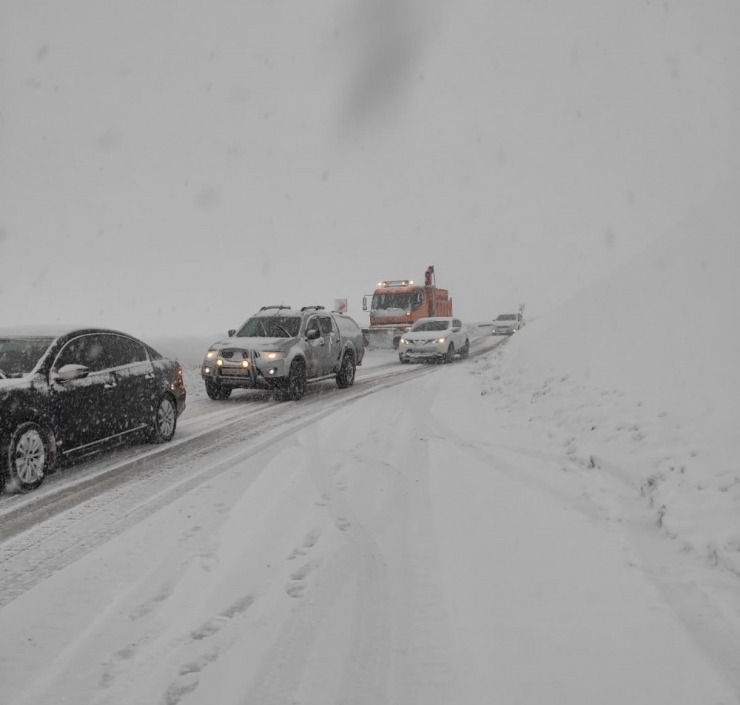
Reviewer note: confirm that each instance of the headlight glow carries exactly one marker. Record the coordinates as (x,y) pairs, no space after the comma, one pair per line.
(439,341)
(403,341)
(272,354)
(212,353)
(219,362)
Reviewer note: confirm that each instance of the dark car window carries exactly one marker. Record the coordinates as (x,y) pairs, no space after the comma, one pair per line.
(313,324)
(347,325)
(326,325)
(506,317)
(124,351)
(18,356)
(88,350)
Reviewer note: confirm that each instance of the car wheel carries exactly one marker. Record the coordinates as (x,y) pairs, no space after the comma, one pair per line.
(465,350)
(346,374)
(164,421)
(296,386)
(403,359)
(450,356)
(30,455)
(215,391)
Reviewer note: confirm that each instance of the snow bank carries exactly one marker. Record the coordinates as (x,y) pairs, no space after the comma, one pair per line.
(639,376)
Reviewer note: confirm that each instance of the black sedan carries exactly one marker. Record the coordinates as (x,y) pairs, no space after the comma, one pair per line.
(65,392)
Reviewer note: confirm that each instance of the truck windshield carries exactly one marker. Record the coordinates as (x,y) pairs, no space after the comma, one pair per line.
(270,327)
(407,301)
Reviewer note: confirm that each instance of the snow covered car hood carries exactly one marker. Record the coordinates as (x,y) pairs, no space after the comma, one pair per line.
(257,343)
(426,334)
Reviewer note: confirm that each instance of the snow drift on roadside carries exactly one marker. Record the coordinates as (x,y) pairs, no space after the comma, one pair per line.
(654,348)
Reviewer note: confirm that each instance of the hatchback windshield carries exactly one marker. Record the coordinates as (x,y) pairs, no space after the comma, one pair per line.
(18,356)
(431,325)
(270,327)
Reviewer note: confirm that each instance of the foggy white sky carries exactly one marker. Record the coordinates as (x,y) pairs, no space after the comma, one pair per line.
(172,166)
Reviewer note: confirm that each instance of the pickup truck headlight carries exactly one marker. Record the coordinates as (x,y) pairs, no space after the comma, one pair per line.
(272,354)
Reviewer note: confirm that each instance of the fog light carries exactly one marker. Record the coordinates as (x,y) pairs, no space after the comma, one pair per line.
(245,363)
(219,362)
(271,371)
(207,370)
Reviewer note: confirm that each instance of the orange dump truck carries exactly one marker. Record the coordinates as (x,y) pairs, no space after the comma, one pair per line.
(397,304)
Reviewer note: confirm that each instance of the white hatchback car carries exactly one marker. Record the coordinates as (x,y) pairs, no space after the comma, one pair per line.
(508,323)
(438,338)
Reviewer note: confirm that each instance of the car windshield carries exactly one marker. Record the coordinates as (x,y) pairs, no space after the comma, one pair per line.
(18,356)
(431,325)
(507,317)
(270,327)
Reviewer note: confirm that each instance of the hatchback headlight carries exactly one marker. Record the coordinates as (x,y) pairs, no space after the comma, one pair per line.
(272,354)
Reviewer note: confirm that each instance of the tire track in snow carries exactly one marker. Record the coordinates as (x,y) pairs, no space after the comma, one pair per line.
(30,556)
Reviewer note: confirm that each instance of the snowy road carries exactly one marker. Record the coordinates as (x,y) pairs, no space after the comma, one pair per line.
(387,544)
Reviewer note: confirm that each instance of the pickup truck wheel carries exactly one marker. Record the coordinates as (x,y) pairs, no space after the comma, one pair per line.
(450,356)
(215,391)
(465,350)
(30,455)
(346,374)
(296,386)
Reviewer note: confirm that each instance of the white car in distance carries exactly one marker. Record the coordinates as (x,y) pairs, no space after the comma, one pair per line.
(508,323)
(439,338)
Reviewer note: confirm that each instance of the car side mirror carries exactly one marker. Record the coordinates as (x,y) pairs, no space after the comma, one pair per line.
(456,329)
(68,372)
(231,332)
(313,334)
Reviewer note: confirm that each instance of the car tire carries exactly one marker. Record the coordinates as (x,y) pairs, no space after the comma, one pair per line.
(216,391)
(347,370)
(403,359)
(164,421)
(295,386)
(31,455)
(465,350)
(450,356)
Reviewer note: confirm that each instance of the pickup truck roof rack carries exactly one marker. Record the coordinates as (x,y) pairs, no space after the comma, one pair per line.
(318,308)
(265,308)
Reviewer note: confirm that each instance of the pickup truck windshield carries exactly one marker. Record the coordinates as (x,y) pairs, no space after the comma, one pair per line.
(270,327)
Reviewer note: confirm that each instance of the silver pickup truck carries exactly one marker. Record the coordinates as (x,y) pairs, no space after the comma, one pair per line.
(284,349)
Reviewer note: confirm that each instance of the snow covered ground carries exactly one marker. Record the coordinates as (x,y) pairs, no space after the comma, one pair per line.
(552,521)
